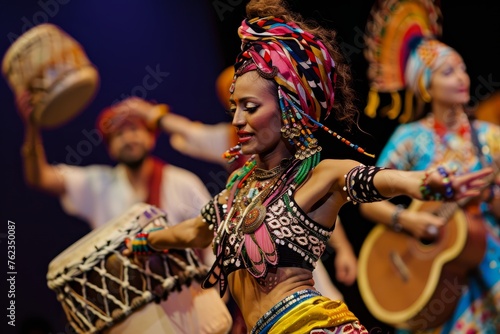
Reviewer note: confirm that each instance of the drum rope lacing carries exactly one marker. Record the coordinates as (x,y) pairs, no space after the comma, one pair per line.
(76,303)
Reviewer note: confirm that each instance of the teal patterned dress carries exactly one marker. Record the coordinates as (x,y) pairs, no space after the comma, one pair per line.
(424,144)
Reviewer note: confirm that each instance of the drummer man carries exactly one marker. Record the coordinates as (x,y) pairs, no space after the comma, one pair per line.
(99,193)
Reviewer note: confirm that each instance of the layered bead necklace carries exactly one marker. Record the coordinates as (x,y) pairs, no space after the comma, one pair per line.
(247,212)
(453,146)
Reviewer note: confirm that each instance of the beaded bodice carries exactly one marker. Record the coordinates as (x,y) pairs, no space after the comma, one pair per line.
(285,238)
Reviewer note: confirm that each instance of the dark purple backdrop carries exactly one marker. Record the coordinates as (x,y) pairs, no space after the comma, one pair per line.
(192,41)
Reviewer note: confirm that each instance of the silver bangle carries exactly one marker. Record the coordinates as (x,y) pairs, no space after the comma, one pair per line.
(395,224)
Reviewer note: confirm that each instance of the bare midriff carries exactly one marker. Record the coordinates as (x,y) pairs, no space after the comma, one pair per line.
(257,296)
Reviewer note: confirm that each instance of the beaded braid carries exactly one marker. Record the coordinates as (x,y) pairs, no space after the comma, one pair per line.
(295,129)
(299,135)
(339,137)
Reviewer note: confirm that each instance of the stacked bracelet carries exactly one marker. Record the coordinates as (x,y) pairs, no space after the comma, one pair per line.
(427,192)
(140,245)
(448,189)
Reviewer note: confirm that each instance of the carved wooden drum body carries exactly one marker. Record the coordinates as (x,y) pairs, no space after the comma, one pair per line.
(54,70)
(99,288)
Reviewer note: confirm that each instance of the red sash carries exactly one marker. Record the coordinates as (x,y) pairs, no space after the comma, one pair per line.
(155,181)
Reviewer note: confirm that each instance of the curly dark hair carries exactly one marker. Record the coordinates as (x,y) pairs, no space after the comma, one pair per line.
(344,107)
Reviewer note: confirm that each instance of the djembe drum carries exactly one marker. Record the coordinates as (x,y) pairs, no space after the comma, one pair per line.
(53,69)
(99,288)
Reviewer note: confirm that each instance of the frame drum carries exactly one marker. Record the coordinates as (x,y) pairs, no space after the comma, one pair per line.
(53,68)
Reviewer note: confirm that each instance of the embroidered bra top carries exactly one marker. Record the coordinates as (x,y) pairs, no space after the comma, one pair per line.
(286,238)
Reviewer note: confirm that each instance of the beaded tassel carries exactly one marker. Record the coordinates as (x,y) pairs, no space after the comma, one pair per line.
(232,154)
(296,130)
(339,137)
(299,133)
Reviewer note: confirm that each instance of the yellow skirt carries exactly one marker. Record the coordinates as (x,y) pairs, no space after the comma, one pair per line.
(306,311)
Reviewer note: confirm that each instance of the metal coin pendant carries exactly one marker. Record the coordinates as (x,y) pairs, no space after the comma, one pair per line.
(253,219)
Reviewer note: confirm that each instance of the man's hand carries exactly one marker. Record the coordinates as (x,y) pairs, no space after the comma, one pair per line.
(24,106)
(147,111)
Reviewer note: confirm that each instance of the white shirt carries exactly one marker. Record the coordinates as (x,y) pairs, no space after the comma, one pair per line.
(98,193)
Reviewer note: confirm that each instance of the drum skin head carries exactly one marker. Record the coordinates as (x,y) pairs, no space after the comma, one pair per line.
(53,68)
(67,98)
(115,229)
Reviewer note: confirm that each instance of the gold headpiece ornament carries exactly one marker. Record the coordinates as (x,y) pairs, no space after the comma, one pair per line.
(395,29)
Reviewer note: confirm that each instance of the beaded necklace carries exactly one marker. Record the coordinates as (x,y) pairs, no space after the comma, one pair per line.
(242,228)
(452,146)
(247,211)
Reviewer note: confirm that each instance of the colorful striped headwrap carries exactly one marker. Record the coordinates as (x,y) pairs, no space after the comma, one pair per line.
(299,63)
(304,72)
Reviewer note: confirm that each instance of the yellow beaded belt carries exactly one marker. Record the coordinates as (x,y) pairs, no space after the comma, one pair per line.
(302,312)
